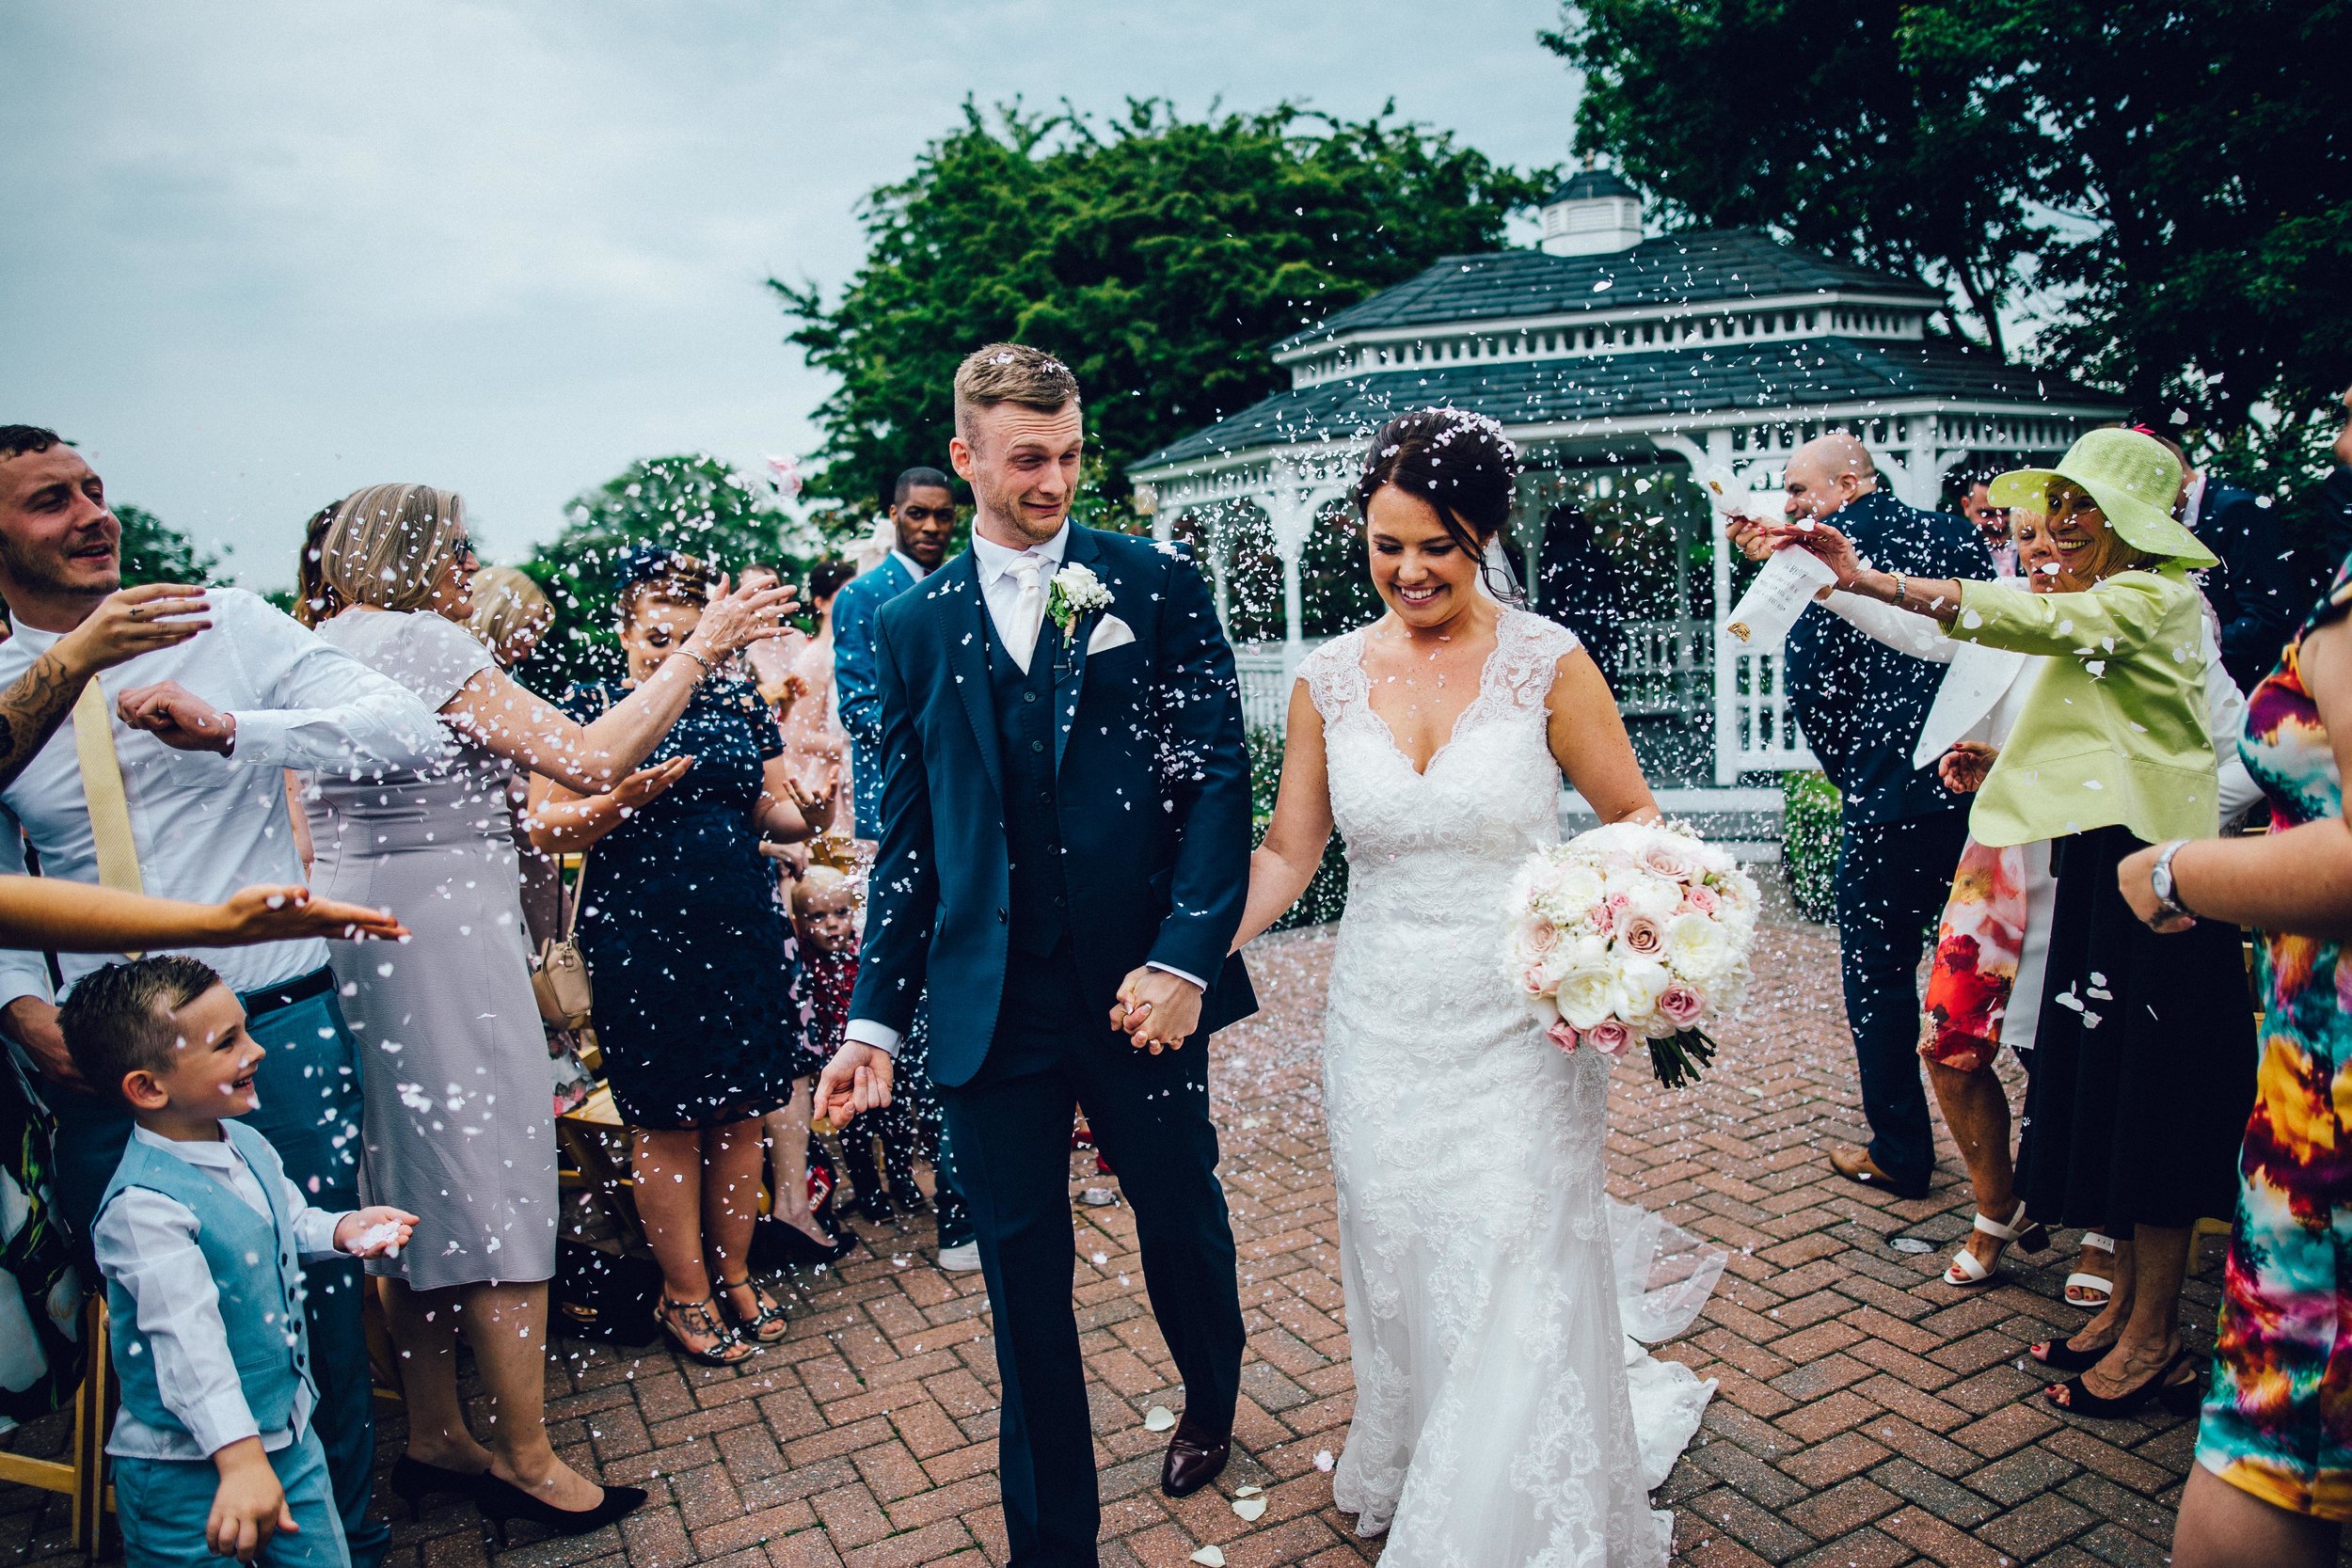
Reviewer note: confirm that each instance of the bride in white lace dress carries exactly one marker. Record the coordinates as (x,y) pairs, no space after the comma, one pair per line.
(1503,1418)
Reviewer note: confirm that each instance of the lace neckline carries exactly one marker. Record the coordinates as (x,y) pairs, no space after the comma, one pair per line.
(1453,732)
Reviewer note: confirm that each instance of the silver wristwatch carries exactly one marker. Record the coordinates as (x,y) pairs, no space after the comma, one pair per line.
(2160,882)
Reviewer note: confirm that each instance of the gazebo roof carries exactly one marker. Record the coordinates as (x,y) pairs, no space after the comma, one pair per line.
(1633,388)
(1725,265)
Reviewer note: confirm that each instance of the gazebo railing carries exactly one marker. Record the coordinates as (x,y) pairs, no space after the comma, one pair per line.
(1265,671)
(1754,729)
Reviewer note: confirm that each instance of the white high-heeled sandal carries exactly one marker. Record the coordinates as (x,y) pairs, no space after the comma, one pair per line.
(1966,1274)
(2098,1291)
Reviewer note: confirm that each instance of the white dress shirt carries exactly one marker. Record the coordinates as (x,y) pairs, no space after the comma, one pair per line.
(147,1243)
(1000,591)
(206,825)
(915,569)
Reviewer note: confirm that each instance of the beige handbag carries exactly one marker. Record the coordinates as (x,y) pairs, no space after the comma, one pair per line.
(559,976)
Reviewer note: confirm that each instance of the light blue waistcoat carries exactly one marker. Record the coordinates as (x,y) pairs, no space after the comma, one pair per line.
(254,1268)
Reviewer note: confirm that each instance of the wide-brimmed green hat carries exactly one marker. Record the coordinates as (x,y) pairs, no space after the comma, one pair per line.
(2134,480)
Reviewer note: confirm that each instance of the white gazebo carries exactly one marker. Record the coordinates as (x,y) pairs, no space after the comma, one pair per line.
(1621,366)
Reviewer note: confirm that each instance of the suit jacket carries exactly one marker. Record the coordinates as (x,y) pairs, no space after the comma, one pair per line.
(1860,702)
(1151,787)
(2257,591)
(857,688)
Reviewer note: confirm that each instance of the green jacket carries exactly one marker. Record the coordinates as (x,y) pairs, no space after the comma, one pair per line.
(2115,731)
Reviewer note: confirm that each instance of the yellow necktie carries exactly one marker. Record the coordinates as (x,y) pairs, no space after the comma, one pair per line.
(102,788)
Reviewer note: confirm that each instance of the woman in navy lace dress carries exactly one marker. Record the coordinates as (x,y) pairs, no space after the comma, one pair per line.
(685,949)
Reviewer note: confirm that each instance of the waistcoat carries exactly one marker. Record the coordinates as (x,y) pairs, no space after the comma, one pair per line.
(1039,915)
(261,1305)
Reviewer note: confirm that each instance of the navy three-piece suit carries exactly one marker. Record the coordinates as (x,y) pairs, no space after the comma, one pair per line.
(1043,834)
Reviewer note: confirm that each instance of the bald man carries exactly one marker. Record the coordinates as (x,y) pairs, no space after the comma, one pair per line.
(1860,705)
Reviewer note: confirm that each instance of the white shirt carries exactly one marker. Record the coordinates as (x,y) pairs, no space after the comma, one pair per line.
(915,569)
(1000,591)
(147,1243)
(206,825)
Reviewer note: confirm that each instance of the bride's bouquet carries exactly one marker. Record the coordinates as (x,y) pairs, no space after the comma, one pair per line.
(1633,931)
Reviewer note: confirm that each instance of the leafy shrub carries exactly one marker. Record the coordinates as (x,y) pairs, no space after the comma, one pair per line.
(1811,834)
(1327,895)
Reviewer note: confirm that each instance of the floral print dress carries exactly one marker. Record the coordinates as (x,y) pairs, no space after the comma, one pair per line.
(2277,1421)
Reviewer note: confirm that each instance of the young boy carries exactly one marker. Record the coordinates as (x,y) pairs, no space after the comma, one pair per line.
(201,1239)
(825,916)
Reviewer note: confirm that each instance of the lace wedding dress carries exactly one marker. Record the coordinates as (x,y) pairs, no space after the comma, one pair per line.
(1503,1419)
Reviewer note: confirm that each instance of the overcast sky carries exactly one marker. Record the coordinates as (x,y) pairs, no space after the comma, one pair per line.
(257,255)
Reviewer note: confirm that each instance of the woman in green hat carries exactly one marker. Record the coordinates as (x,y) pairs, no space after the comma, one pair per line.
(2143,1065)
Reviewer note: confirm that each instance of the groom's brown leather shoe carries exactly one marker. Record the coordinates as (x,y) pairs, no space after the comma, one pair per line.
(1855,1165)
(1194,1459)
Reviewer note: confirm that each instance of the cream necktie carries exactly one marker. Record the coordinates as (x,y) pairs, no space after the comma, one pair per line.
(1028,610)
(102,793)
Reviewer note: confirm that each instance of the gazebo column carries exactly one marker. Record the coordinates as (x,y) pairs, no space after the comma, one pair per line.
(1290,501)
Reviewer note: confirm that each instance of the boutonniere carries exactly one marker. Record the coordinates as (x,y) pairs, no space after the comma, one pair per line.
(1075,593)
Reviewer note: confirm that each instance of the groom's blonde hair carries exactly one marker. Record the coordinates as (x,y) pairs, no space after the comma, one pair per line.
(1011,373)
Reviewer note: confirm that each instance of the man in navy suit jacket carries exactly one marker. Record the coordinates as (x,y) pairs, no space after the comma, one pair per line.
(1065,850)
(923,512)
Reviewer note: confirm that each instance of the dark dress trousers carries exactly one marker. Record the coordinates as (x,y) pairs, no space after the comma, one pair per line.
(1043,834)
(1860,705)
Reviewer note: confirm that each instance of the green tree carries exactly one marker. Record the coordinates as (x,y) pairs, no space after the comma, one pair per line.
(694,503)
(1158,256)
(154,552)
(2171,181)
(1810,121)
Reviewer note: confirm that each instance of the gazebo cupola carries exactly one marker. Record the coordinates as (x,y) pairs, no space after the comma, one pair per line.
(1593,213)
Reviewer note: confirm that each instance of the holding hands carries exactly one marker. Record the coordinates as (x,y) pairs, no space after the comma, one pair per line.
(1156,1011)
(857,1079)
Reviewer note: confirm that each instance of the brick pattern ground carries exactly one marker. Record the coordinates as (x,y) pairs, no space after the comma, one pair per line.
(1866,1415)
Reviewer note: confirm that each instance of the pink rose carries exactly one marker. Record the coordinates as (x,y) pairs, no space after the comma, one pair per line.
(1603,917)
(1642,935)
(1701,900)
(1562,1036)
(1681,1005)
(1532,977)
(1669,861)
(1620,901)
(1539,937)
(1610,1037)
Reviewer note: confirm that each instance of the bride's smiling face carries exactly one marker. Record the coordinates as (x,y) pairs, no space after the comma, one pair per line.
(1424,574)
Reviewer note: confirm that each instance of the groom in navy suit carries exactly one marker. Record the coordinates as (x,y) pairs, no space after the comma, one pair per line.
(1065,850)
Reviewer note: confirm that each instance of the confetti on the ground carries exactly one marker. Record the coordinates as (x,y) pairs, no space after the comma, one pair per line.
(1159,1418)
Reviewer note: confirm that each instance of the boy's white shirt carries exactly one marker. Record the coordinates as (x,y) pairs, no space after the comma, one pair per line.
(147,1242)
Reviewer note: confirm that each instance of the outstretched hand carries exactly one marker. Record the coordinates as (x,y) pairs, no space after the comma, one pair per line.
(132,622)
(1833,548)
(735,620)
(1157,1011)
(634,793)
(857,1079)
(292,913)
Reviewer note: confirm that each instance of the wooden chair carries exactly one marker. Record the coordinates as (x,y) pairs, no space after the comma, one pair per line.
(82,1475)
(595,1142)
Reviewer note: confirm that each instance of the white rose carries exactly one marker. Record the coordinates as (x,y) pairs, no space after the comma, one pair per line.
(1587,997)
(1698,948)
(1651,895)
(1574,891)
(1636,987)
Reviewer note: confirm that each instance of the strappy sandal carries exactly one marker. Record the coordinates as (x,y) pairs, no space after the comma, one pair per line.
(1966,1274)
(2088,1290)
(699,1319)
(2181,1398)
(765,1326)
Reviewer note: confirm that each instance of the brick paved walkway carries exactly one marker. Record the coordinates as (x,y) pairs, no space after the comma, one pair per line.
(1867,1415)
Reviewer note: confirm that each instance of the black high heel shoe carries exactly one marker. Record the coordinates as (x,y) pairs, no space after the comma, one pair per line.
(503,1502)
(413,1480)
(799,1246)
(2181,1398)
(2060,1356)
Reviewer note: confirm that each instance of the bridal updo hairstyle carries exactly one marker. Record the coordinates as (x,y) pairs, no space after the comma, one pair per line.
(1460,463)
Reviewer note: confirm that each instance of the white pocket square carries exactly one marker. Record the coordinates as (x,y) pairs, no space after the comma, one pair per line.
(1109,632)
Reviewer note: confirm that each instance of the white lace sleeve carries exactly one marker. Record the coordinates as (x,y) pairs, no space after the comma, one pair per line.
(1531,649)
(1334,674)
